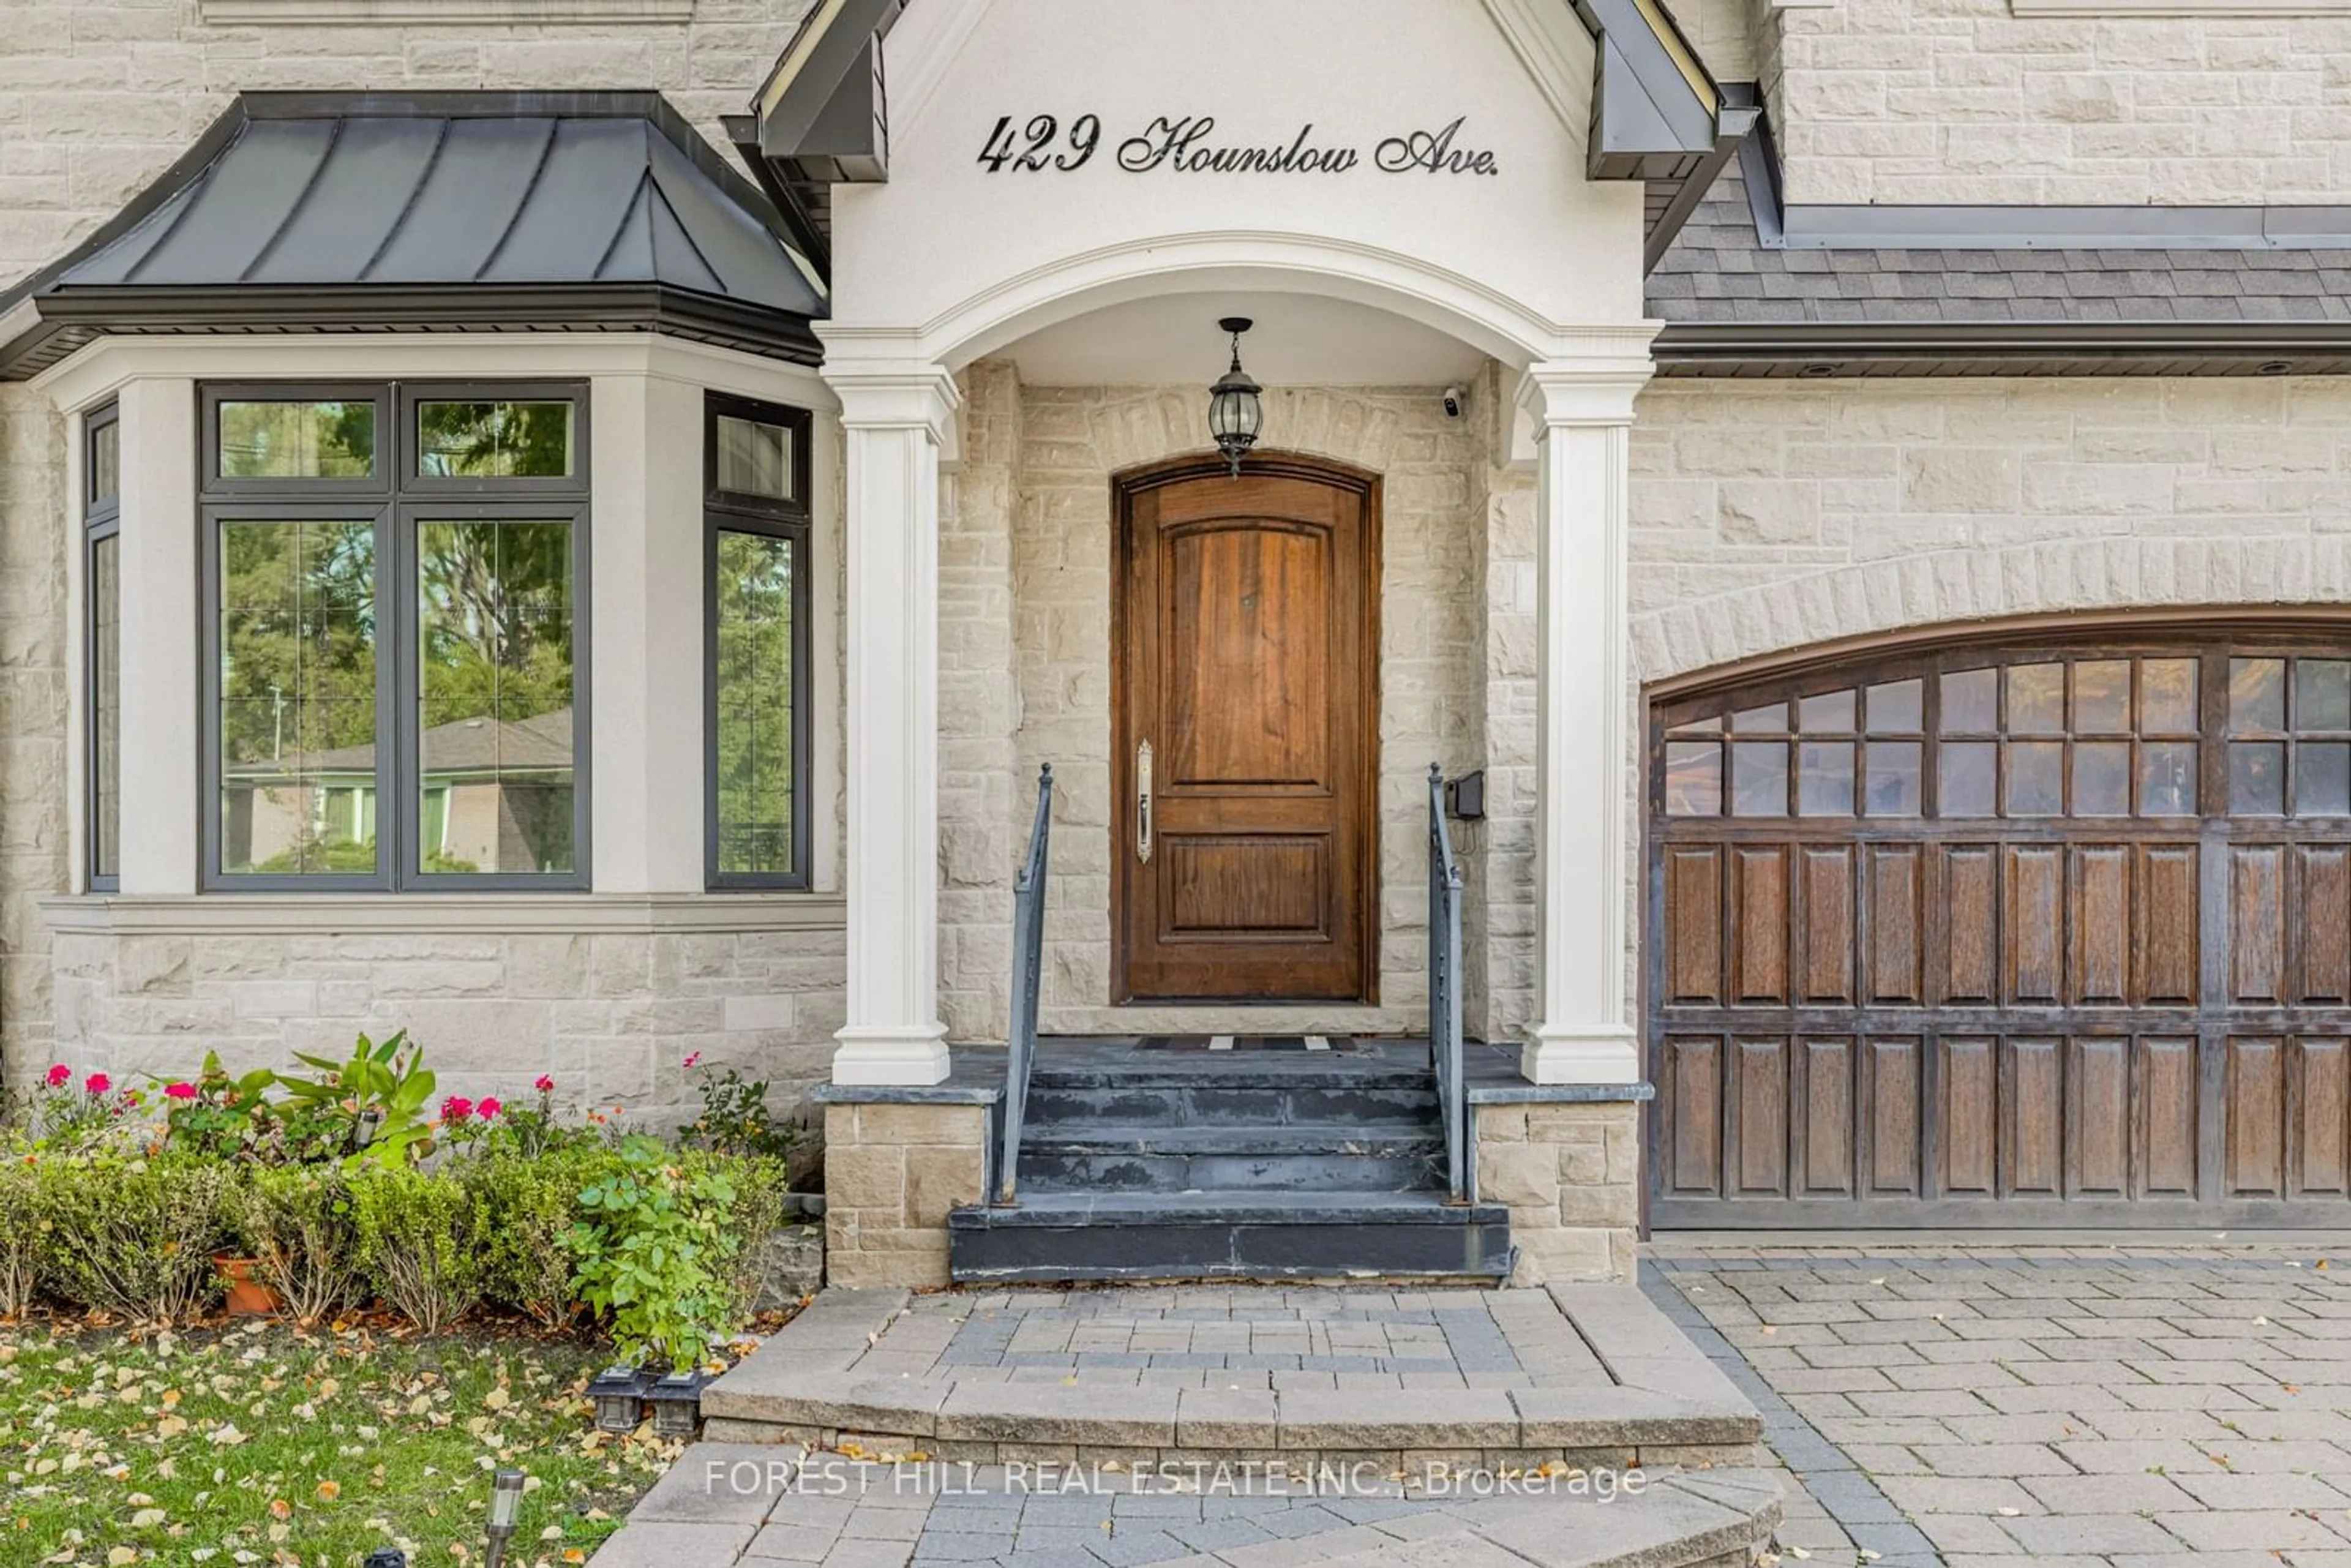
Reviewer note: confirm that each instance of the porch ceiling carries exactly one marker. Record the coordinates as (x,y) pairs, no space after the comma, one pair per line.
(1300,340)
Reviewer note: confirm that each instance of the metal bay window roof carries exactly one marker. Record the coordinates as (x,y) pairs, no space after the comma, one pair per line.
(432,211)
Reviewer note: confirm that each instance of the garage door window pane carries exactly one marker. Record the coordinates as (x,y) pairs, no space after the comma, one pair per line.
(1965,786)
(1972,703)
(2102,778)
(2322,695)
(1758,779)
(1824,780)
(1828,714)
(2102,696)
(2166,697)
(2036,699)
(1897,707)
(1773,721)
(2322,780)
(1893,784)
(1693,778)
(2036,778)
(2256,696)
(2166,778)
(2257,778)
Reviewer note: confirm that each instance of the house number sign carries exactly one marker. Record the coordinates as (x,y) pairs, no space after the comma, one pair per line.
(1187,144)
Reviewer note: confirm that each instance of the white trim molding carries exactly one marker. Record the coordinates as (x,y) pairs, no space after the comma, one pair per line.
(2223,8)
(455,13)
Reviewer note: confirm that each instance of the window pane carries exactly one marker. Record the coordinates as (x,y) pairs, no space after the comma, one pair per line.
(2166,697)
(1824,778)
(298,651)
(106,706)
(2036,777)
(1894,770)
(2036,699)
(2321,779)
(105,462)
(2256,695)
(1897,706)
(296,440)
(1828,714)
(1700,726)
(2257,778)
(2102,697)
(2102,778)
(493,719)
(1966,772)
(2166,778)
(1773,721)
(1693,778)
(2322,694)
(1758,779)
(754,458)
(754,705)
(1972,703)
(493,440)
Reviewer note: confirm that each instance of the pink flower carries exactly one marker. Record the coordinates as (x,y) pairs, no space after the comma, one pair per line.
(97,1083)
(456,1108)
(60,1075)
(180,1090)
(694,1061)
(487,1110)
(546,1084)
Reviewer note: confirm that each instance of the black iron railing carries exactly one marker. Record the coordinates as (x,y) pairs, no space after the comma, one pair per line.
(1444,992)
(1027,972)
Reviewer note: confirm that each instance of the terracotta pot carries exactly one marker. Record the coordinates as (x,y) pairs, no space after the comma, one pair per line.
(248,1297)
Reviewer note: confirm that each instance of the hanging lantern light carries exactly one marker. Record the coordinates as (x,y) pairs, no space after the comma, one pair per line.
(1235,415)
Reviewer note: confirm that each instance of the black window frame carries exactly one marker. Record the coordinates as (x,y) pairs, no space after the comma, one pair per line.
(726,511)
(101,521)
(395,502)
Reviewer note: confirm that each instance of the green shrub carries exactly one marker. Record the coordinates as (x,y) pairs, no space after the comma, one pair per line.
(754,1214)
(295,1222)
(655,1251)
(527,1207)
(133,1237)
(23,1238)
(421,1238)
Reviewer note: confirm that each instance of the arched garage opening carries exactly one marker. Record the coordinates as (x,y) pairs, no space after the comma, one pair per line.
(2045,923)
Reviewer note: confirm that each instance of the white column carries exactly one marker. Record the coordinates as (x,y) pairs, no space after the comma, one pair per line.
(898,418)
(1581,410)
(161,748)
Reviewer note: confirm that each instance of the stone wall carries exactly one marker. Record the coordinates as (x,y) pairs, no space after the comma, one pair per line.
(1434,668)
(1571,1176)
(34,804)
(96,98)
(1772,515)
(891,1175)
(610,1014)
(1964,100)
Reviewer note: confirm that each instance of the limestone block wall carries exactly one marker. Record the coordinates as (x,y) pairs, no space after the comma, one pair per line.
(1571,1177)
(1772,515)
(34,825)
(97,96)
(1433,669)
(1966,100)
(495,999)
(892,1173)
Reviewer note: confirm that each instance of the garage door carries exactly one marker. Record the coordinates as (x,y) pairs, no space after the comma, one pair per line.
(2048,934)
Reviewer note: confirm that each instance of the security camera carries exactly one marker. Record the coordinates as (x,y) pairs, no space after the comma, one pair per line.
(1454,398)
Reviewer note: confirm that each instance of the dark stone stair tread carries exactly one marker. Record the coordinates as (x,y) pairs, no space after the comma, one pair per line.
(1230,1207)
(1372,1138)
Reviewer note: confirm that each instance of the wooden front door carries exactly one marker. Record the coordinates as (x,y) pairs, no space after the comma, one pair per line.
(2054,932)
(1246,673)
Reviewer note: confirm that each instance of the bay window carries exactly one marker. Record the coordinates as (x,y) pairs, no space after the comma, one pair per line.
(755,521)
(102,568)
(394,576)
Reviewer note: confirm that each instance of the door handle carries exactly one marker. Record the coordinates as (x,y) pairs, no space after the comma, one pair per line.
(1143,803)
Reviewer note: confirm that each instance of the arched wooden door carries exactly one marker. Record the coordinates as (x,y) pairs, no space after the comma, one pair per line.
(2029,933)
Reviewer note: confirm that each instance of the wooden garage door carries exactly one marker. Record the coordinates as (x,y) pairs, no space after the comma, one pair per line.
(2052,935)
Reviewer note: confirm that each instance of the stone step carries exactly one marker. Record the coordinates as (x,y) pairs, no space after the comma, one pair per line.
(1228,1235)
(1221,1102)
(1369,1157)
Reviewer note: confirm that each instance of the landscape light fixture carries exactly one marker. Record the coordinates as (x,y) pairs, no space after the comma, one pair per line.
(506,1512)
(387,1557)
(618,1392)
(676,1402)
(1235,413)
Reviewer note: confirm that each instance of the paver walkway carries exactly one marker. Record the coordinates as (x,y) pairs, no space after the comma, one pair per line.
(2072,1408)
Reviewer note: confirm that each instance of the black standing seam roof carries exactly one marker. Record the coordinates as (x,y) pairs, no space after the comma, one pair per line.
(499,206)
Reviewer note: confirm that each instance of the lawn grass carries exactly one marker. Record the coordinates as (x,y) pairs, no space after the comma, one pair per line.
(272,1445)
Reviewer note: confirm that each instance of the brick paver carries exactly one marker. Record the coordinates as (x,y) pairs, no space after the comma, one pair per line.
(2096,1407)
